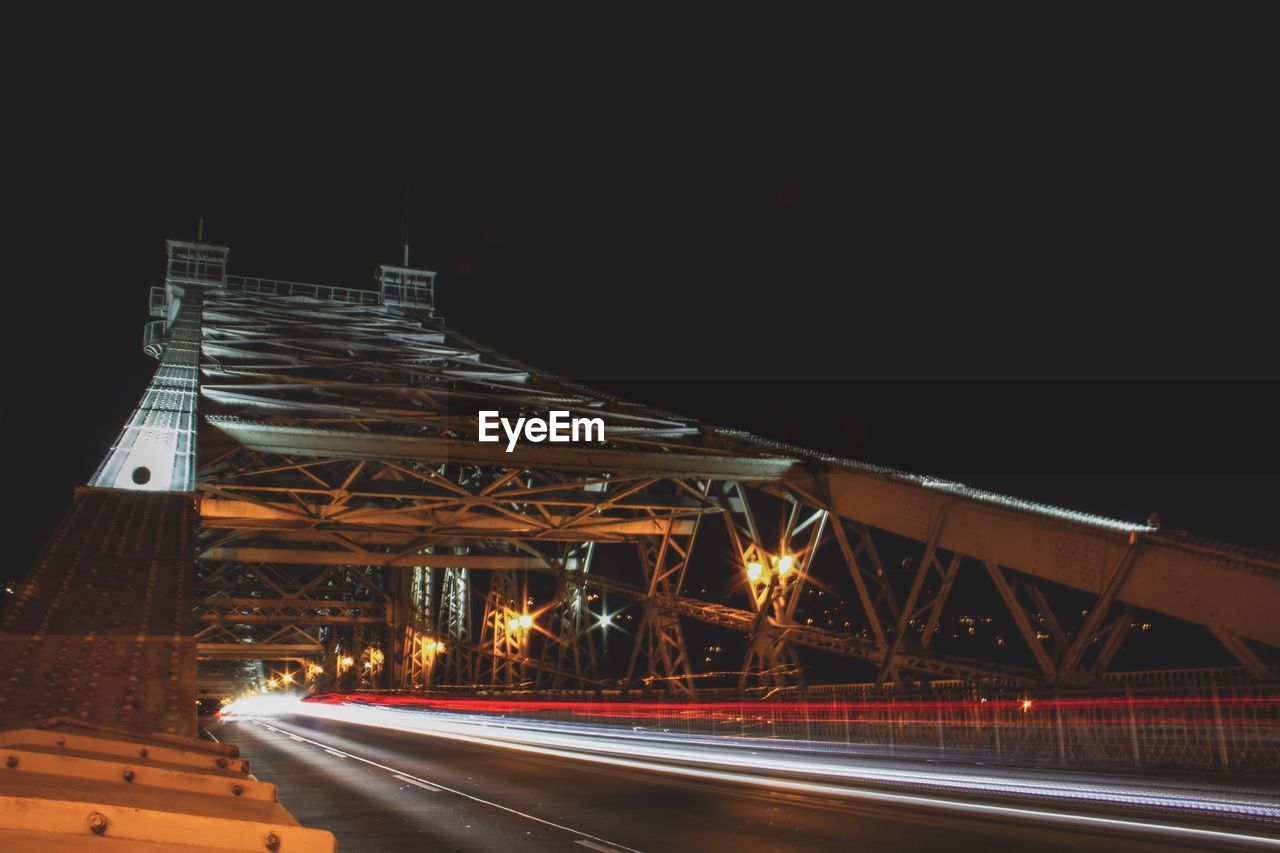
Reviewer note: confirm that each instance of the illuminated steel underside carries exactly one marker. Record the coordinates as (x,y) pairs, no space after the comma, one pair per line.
(351,522)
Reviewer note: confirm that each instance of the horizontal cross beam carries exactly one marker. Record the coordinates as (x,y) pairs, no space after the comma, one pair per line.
(257,651)
(305,441)
(315,557)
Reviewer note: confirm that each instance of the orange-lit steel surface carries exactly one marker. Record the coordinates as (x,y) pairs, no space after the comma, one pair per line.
(100,629)
(66,785)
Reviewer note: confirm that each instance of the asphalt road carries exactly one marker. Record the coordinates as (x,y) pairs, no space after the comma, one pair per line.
(384,790)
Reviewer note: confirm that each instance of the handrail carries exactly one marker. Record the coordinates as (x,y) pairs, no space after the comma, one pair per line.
(279,287)
(158,302)
(153,338)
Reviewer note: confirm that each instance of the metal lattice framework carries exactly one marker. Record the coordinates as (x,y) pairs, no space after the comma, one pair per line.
(351,520)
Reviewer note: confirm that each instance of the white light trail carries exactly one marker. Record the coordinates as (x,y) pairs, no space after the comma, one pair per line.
(402,775)
(825,776)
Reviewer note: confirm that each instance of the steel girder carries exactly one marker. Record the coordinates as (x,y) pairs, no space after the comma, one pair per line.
(504,641)
(660,637)
(455,625)
(413,641)
(260,611)
(569,655)
(1217,585)
(774,593)
(821,639)
(334,443)
(340,433)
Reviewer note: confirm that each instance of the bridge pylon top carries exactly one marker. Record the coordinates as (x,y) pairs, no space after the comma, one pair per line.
(196,261)
(406,287)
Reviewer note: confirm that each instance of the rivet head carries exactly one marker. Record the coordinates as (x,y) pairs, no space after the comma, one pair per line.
(221,762)
(61,741)
(237,789)
(11,761)
(127,775)
(97,823)
(273,841)
(144,752)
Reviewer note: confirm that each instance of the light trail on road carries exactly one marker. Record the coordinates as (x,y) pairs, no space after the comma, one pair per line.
(1045,798)
(436,787)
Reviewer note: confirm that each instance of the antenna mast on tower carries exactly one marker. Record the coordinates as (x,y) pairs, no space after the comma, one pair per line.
(404,232)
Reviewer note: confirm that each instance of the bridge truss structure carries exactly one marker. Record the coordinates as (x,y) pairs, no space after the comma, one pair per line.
(352,532)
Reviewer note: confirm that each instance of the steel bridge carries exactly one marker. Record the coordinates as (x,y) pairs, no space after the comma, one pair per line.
(301,496)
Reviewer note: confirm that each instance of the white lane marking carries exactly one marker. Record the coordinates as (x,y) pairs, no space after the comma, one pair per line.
(210,734)
(298,739)
(464,794)
(572,738)
(332,752)
(828,790)
(592,845)
(432,788)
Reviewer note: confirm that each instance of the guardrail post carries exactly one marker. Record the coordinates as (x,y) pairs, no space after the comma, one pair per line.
(1133,727)
(995,728)
(1062,740)
(941,746)
(892,715)
(1217,722)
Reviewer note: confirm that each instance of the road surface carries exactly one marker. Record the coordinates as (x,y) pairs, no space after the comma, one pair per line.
(388,789)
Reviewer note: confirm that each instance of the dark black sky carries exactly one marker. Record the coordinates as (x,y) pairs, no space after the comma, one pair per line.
(1034,255)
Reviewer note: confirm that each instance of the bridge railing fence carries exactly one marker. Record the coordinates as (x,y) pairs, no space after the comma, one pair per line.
(1216,721)
(277,287)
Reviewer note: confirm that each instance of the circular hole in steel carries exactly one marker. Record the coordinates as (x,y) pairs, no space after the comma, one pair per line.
(142,475)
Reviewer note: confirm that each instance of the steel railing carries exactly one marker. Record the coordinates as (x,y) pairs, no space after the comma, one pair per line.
(277,287)
(1214,723)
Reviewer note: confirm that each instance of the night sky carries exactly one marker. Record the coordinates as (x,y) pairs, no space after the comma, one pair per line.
(1034,264)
